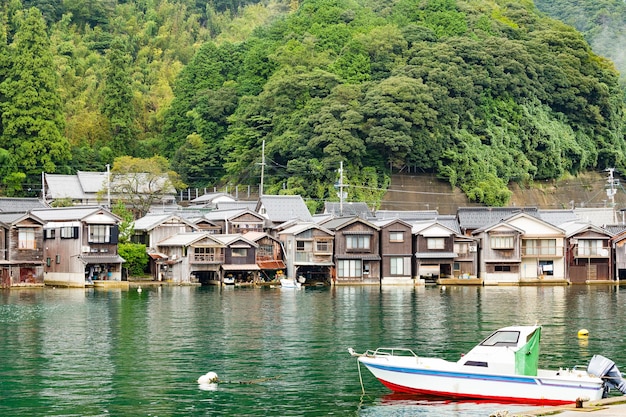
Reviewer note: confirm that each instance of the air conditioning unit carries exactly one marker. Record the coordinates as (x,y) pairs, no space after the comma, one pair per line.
(472,248)
(86,249)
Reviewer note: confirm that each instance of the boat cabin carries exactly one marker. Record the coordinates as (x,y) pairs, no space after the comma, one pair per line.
(510,350)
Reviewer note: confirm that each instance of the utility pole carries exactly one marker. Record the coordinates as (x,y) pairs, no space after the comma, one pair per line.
(611,191)
(262,168)
(109,186)
(341,188)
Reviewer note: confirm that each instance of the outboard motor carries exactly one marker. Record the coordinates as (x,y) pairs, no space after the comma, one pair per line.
(605,368)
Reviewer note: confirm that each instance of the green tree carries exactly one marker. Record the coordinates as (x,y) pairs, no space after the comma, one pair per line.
(31,111)
(135,256)
(117,104)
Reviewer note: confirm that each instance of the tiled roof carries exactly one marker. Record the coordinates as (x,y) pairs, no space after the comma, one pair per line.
(615,229)
(150,221)
(63,186)
(280,208)
(347,209)
(15,205)
(407,215)
(229,205)
(92,182)
(66,213)
(224,215)
(557,217)
(597,216)
(478,217)
(301,227)
(339,222)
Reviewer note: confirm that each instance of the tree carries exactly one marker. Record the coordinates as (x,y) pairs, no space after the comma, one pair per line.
(140,183)
(117,105)
(135,256)
(31,112)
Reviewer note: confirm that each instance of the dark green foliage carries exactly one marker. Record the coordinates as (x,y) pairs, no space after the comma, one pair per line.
(135,256)
(117,104)
(480,93)
(31,112)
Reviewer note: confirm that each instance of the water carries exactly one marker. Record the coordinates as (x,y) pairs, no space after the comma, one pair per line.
(70,352)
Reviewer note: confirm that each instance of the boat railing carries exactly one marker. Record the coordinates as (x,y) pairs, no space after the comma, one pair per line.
(391,352)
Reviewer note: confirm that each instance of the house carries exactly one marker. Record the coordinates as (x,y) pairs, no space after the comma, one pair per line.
(588,254)
(434,250)
(472,218)
(94,188)
(190,257)
(396,251)
(239,259)
(236,220)
(308,252)
(278,209)
(357,250)
(154,228)
(211,200)
(618,243)
(270,256)
(522,249)
(21,250)
(80,245)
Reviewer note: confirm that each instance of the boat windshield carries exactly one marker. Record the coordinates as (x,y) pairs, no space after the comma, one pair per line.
(502,338)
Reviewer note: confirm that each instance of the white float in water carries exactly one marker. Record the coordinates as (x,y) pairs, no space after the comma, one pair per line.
(208,378)
(139,289)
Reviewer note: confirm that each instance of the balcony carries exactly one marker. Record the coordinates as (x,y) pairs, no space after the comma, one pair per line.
(207,258)
(536,252)
(591,252)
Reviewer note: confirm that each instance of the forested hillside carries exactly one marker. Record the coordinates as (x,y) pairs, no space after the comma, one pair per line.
(602,23)
(482,93)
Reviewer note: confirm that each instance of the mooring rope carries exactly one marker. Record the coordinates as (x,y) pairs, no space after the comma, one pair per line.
(358,365)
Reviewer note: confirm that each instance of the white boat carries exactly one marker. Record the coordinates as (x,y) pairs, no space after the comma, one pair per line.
(229,280)
(289,283)
(503,368)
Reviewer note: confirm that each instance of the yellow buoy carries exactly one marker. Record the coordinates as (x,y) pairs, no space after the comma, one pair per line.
(583,333)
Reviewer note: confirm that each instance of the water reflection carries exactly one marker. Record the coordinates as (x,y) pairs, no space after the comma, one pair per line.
(92,352)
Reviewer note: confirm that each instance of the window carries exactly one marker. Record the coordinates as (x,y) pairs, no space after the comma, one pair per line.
(366,268)
(26,239)
(322,246)
(69,232)
(396,236)
(349,268)
(502,338)
(546,268)
(502,268)
(397,266)
(239,252)
(99,233)
(304,246)
(436,243)
(462,248)
(266,250)
(539,246)
(357,242)
(49,233)
(588,247)
(501,242)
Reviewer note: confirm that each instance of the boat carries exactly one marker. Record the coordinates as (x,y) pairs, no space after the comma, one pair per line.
(289,283)
(229,280)
(501,368)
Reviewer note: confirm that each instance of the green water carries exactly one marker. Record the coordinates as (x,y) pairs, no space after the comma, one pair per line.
(280,352)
